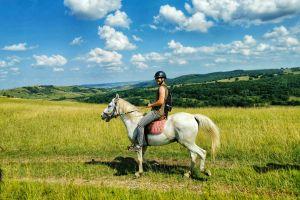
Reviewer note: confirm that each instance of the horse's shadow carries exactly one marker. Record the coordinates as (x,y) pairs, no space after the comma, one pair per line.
(275,166)
(128,165)
(1,175)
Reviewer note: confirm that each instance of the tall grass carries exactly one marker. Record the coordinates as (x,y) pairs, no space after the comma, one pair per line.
(44,140)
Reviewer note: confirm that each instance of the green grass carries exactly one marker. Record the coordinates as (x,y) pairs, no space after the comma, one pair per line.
(48,148)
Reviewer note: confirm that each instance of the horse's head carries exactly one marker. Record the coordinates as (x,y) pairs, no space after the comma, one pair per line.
(111,110)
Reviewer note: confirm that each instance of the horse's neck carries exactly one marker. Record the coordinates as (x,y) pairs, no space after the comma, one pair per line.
(131,124)
(131,120)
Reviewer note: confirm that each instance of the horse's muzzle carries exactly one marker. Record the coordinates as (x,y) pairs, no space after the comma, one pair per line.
(105,117)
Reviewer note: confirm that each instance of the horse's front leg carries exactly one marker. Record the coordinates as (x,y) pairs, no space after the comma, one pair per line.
(144,151)
(140,162)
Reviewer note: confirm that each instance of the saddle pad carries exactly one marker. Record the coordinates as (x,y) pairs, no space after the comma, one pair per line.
(156,127)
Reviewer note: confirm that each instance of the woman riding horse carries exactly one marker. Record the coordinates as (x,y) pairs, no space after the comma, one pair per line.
(157,110)
(181,127)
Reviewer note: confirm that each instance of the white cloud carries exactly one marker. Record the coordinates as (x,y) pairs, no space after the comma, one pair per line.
(13,60)
(104,58)
(206,49)
(222,9)
(10,61)
(54,60)
(277,32)
(220,60)
(169,14)
(58,69)
(215,53)
(295,29)
(77,41)
(141,65)
(3,74)
(178,48)
(280,43)
(178,61)
(283,39)
(152,26)
(250,11)
(291,41)
(262,47)
(119,19)
(249,40)
(114,40)
(3,63)
(75,69)
(140,61)
(154,56)
(136,38)
(138,58)
(242,12)
(14,69)
(17,47)
(209,64)
(197,23)
(245,47)
(92,9)
(188,8)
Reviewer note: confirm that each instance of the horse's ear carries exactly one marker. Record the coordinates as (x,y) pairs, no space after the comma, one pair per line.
(117,97)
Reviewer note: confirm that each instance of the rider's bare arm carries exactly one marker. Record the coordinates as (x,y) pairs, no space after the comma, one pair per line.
(160,101)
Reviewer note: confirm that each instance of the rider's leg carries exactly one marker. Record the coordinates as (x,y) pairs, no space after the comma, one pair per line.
(148,118)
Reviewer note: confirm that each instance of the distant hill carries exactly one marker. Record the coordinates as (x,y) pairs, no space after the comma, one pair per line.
(233,88)
(202,78)
(111,85)
(50,92)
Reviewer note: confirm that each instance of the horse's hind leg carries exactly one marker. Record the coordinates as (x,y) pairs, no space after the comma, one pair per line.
(202,153)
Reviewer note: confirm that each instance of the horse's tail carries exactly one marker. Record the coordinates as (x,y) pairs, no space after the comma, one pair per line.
(211,128)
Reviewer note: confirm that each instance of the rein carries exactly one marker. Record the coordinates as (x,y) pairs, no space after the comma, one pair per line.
(120,114)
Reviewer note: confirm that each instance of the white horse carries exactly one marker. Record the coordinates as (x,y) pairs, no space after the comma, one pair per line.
(181,127)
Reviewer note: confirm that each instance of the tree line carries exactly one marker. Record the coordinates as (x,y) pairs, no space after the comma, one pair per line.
(267,90)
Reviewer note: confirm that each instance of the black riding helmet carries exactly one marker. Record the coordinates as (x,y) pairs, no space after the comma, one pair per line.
(160,74)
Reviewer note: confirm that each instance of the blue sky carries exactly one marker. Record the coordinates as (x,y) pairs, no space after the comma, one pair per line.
(71,42)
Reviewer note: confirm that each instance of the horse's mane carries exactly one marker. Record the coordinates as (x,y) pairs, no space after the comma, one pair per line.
(125,106)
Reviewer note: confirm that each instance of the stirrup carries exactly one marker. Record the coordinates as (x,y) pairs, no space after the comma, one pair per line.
(130,146)
(135,148)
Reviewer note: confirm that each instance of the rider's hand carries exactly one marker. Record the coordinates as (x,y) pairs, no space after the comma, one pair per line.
(149,105)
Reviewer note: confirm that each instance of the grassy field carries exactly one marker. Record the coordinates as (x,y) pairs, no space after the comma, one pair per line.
(62,150)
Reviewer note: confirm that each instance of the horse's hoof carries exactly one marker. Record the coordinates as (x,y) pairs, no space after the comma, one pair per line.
(187,174)
(207,172)
(137,174)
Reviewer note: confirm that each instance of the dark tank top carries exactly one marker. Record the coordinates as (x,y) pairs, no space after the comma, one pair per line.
(161,109)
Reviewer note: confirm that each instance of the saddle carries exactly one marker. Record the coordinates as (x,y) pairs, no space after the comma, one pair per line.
(156,127)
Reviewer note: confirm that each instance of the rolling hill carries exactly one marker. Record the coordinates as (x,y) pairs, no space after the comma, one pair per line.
(233,88)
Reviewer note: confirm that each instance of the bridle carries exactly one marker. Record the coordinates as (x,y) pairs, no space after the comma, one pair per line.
(115,113)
